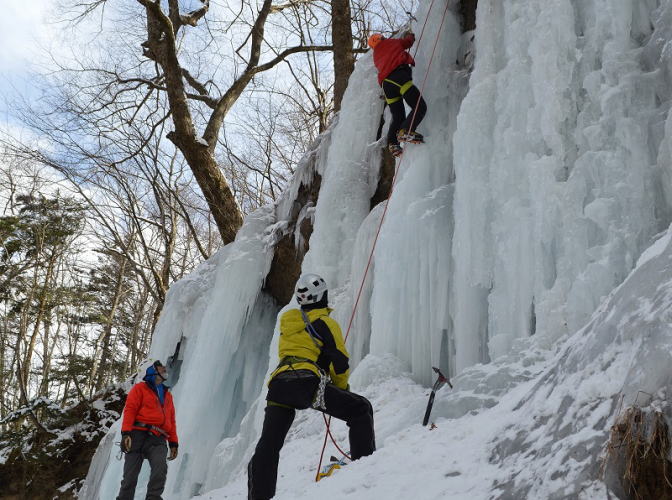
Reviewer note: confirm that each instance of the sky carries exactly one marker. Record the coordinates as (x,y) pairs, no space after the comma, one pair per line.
(21,25)
(23,31)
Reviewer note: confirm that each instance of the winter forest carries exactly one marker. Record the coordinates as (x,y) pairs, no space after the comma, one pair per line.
(170,170)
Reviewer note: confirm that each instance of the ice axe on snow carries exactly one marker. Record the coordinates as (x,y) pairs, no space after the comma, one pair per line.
(440,382)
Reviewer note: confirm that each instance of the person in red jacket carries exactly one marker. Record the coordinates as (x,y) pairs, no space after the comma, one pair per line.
(148,423)
(393,62)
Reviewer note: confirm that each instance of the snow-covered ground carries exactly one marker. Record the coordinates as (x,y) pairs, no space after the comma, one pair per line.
(545,177)
(412,461)
(530,425)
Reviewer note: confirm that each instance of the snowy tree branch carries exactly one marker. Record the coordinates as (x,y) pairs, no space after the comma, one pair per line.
(280,8)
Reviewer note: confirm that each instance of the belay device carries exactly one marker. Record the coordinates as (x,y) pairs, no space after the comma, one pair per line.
(437,385)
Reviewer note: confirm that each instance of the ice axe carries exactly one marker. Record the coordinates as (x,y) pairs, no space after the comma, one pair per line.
(407,26)
(440,382)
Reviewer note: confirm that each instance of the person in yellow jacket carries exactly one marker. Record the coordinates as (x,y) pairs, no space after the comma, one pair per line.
(313,372)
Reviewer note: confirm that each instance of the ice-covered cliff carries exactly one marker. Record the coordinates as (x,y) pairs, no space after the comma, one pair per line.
(545,176)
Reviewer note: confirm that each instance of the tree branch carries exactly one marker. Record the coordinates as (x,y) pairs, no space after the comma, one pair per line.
(279,8)
(293,50)
(195,15)
(200,88)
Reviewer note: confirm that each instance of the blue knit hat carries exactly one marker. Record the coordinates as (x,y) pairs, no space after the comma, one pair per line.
(152,370)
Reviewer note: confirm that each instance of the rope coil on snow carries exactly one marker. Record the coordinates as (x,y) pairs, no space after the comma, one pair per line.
(327,421)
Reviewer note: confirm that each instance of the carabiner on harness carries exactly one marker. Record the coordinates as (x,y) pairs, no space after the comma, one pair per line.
(319,402)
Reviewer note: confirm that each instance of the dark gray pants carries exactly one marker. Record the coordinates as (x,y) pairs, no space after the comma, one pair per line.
(145,445)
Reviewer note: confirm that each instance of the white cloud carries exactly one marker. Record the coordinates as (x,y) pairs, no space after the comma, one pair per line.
(22,31)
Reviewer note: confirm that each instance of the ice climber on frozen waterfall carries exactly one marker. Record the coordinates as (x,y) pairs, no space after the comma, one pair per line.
(313,372)
(395,76)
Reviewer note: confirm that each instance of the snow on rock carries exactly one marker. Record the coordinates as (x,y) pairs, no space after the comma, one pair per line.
(655,250)
(409,301)
(545,177)
(625,349)
(556,152)
(531,425)
(349,171)
(33,462)
(223,323)
(218,324)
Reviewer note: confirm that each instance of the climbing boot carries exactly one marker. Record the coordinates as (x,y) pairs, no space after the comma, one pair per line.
(395,149)
(412,137)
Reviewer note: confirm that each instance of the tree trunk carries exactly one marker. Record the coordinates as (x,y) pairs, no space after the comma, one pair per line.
(99,367)
(135,348)
(4,339)
(41,309)
(161,46)
(344,59)
(46,354)
(23,393)
(148,325)
(66,388)
(22,335)
(213,184)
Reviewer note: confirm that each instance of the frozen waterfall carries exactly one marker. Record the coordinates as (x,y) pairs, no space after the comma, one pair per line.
(545,176)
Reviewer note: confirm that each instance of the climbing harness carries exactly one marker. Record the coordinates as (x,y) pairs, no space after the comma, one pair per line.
(150,427)
(402,90)
(382,218)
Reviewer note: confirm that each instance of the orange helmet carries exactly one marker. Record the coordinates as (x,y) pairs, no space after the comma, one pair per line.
(375,39)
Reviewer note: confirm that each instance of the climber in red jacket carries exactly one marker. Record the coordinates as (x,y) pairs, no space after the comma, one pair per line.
(148,423)
(393,62)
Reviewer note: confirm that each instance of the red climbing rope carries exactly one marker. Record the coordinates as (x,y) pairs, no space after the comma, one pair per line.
(327,421)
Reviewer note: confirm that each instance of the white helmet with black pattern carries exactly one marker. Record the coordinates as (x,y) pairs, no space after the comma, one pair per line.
(310,289)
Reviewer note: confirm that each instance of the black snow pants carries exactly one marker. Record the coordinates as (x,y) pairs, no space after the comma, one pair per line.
(398,87)
(144,444)
(295,391)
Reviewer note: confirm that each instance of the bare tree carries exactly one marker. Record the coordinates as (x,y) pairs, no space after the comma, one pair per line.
(344,58)
(151,229)
(187,93)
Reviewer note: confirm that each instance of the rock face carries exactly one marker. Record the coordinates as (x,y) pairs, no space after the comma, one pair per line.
(38,465)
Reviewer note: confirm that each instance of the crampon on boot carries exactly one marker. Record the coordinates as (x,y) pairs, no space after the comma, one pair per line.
(395,149)
(413,137)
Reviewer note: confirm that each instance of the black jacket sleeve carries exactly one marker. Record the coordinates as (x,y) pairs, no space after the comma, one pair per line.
(330,353)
